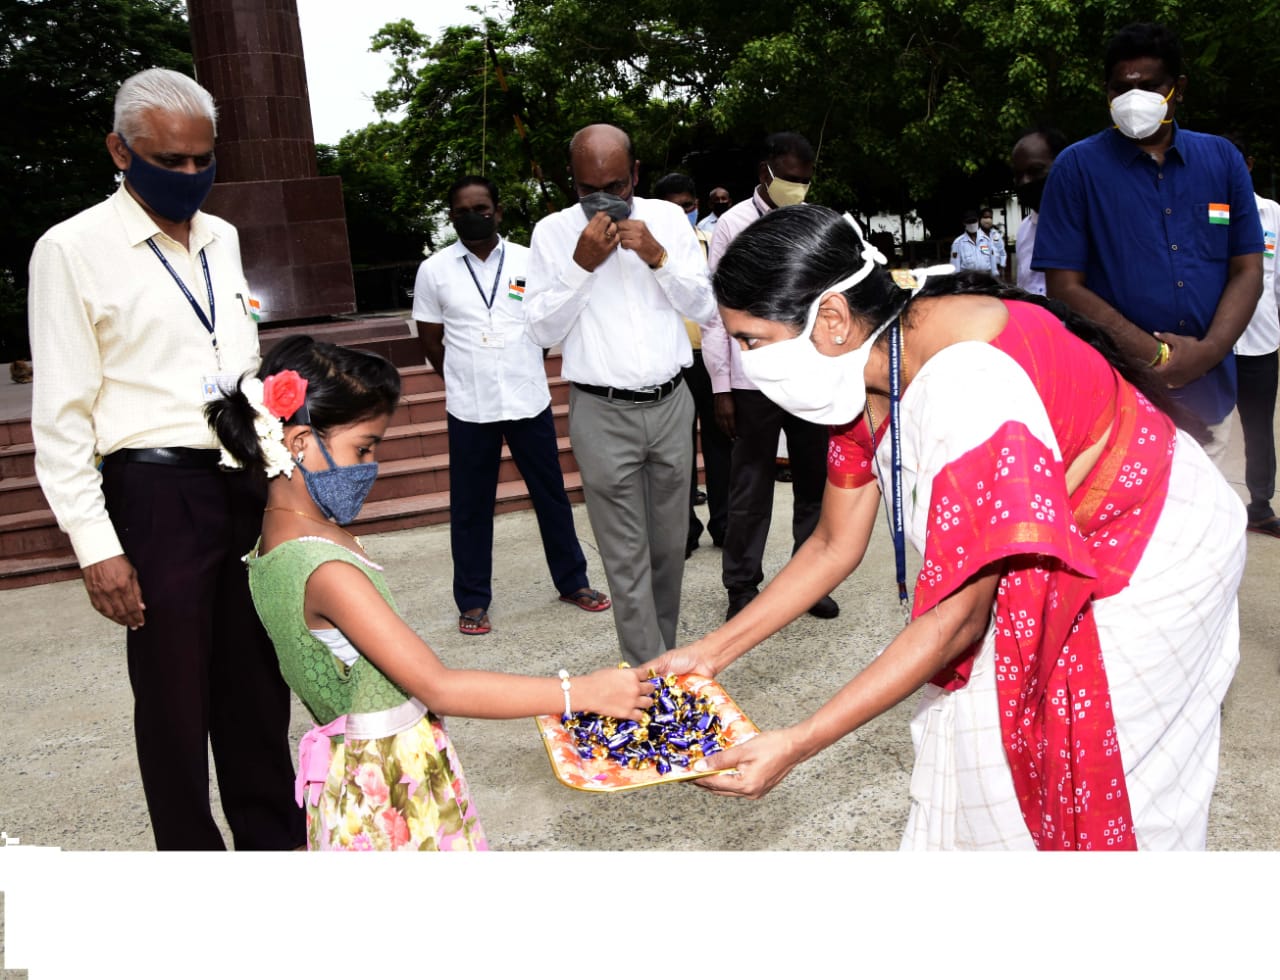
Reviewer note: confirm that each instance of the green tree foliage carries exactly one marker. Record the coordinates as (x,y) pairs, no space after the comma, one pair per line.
(912,104)
(61,62)
(386,217)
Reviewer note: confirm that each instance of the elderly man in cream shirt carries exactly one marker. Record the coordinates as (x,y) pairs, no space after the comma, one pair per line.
(611,281)
(139,312)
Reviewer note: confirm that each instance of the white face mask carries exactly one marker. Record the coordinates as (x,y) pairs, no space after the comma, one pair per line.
(971,228)
(796,376)
(1138,113)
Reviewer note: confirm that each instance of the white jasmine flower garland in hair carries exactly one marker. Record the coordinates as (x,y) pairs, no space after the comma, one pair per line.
(274,400)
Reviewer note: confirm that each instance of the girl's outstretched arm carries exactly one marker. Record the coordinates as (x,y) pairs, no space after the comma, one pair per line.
(341,595)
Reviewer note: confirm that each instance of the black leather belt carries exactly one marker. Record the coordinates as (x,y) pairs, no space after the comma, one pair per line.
(204,459)
(654,394)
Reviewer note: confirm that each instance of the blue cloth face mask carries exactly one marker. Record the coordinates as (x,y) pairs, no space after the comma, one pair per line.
(339,491)
(693,217)
(172,194)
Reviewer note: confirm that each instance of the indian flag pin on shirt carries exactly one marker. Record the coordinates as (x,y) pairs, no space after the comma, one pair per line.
(1219,214)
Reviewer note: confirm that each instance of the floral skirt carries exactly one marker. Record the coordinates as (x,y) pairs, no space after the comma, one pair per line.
(399,792)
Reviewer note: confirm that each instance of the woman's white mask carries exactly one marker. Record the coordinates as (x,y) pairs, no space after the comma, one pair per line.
(796,376)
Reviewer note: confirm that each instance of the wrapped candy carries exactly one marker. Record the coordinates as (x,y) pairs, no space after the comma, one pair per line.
(681,728)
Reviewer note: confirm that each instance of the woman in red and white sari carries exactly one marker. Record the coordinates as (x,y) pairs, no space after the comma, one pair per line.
(1074,624)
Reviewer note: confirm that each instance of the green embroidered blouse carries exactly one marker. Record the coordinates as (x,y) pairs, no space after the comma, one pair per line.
(327,686)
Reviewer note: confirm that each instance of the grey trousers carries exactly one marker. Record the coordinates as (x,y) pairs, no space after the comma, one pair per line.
(635,460)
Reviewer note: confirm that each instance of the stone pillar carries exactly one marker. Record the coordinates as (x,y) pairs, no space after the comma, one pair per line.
(293,231)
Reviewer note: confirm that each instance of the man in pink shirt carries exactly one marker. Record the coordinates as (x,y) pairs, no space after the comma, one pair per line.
(748,417)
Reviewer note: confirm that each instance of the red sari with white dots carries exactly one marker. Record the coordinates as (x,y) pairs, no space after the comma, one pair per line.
(1018,743)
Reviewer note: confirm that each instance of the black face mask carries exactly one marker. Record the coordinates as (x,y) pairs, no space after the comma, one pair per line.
(720,207)
(1029,194)
(473,227)
(617,208)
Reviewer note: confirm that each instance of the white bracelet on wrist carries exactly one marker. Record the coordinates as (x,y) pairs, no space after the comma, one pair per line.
(564,686)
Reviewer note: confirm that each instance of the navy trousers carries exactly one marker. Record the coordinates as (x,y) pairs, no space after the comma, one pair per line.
(475,450)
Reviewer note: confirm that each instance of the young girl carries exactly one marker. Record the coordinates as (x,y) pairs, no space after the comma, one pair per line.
(378,771)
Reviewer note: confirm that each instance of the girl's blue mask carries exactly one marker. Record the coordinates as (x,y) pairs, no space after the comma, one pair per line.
(173,195)
(339,491)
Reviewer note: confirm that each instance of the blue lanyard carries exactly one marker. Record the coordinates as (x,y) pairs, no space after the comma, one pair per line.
(488,303)
(895,434)
(207,321)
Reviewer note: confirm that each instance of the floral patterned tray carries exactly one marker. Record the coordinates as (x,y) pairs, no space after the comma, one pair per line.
(607,776)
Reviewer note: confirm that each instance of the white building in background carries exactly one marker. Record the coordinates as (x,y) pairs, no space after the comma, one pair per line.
(909,228)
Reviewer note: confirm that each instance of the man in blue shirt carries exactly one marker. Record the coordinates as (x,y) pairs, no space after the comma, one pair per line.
(1152,231)
(972,249)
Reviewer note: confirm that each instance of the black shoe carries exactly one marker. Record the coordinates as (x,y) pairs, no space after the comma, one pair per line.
(825,608)
(689,548)
(737,604)
(699,499)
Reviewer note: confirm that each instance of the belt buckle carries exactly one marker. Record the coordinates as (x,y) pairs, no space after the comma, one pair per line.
(652,391)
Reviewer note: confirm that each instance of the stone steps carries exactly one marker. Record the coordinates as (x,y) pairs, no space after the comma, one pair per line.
(412,488)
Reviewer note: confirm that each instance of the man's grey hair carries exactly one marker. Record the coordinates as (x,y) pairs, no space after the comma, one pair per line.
(160,88)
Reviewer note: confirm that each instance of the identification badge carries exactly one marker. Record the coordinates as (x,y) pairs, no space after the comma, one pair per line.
(515,289)
(490,339)
(216,385)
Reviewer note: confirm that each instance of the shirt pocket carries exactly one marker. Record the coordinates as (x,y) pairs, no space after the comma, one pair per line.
(1210,230)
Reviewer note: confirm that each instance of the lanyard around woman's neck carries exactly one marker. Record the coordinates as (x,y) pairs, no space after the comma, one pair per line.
(897,525)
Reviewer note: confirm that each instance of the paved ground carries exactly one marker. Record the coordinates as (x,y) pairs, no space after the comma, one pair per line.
(69,776)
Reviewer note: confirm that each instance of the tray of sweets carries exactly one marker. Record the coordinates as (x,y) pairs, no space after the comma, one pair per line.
(692,718)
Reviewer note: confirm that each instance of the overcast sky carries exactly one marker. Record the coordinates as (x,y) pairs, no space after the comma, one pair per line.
(342,74)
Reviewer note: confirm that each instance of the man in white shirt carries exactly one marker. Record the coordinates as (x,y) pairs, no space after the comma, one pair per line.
(139,313)
(718,202)
(748,417)
(611,281)
(468,301)
(1033,157)
(1258,372)
(986,222)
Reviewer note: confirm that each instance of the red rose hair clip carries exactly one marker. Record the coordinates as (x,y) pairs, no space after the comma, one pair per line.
(284,393)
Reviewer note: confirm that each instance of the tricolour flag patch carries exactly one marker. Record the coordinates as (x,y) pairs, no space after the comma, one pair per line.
(1219,214)
(1268,244)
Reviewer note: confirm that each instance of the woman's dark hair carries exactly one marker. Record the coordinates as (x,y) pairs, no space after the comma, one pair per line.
(785,260)
(344,386)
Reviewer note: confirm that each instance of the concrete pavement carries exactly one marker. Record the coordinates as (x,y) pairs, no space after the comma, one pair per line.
(69,775)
